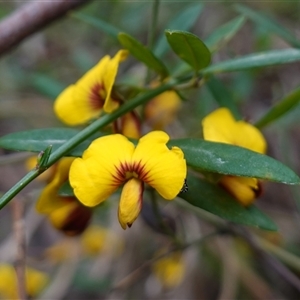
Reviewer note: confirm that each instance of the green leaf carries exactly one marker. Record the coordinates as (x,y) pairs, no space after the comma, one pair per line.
(256,60)
(269,24)
(223,96)
(215,200)
(189,48)
(223,34)
(38,139)
(143,54)
(280,108)
(97,23)
(183,21)
(232,160)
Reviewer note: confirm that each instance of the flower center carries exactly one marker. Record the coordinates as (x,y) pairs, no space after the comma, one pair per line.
(97,96)
(126,171)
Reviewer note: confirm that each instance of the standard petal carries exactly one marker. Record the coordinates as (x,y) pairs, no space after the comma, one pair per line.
(130,202)
(49,199)
(162,168)
(98,174)
(111,70)
(161,110)
(219,126)
(244,189)
(73,106)
(248,136)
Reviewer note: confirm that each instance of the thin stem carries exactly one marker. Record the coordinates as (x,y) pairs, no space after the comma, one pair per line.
(131,278)
(19,232)
(85,133)
(153,23)
(152,31)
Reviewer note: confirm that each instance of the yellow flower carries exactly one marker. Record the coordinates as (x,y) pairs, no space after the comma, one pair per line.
(130,125)
(161,111)
(113,160)
(220,126)
(85,100)
(98,239)
(35,282)
(65,213)
(170,270)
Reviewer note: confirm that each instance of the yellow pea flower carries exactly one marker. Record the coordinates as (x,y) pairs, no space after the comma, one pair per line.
(97,239)
(65,213)
(85,100)
(35,282)
(129,125)
(113,160)
(170,270)
(161,111)
(220,126)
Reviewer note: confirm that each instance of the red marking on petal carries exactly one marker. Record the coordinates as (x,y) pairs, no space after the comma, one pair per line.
(95,96)
(137,169)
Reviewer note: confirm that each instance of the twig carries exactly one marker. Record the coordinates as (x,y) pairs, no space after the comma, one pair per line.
(135,275)
(30,18)
(19,233)
(275,264)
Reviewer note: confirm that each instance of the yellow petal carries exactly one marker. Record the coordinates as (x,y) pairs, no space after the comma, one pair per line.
(220,126)
(73,106)
(94,177)
(110,77)
(170,270)
(131,126)
(163,169)
(35,281)
(96,239)
(244,189)
(84,101)
(161,111)
(130,202)
(49,199)
(71,218)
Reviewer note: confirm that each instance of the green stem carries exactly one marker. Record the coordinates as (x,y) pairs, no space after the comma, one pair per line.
(84,134)
(153,23)
(152,30)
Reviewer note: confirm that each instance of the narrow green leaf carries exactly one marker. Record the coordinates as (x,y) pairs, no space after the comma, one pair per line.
(269,24)
(97,23)
(223,96)
(223,34)
(232,160)
(143,54)
(215,200)
(280,109)
(189,48)
(256,60)
(183,21)
(38,139)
